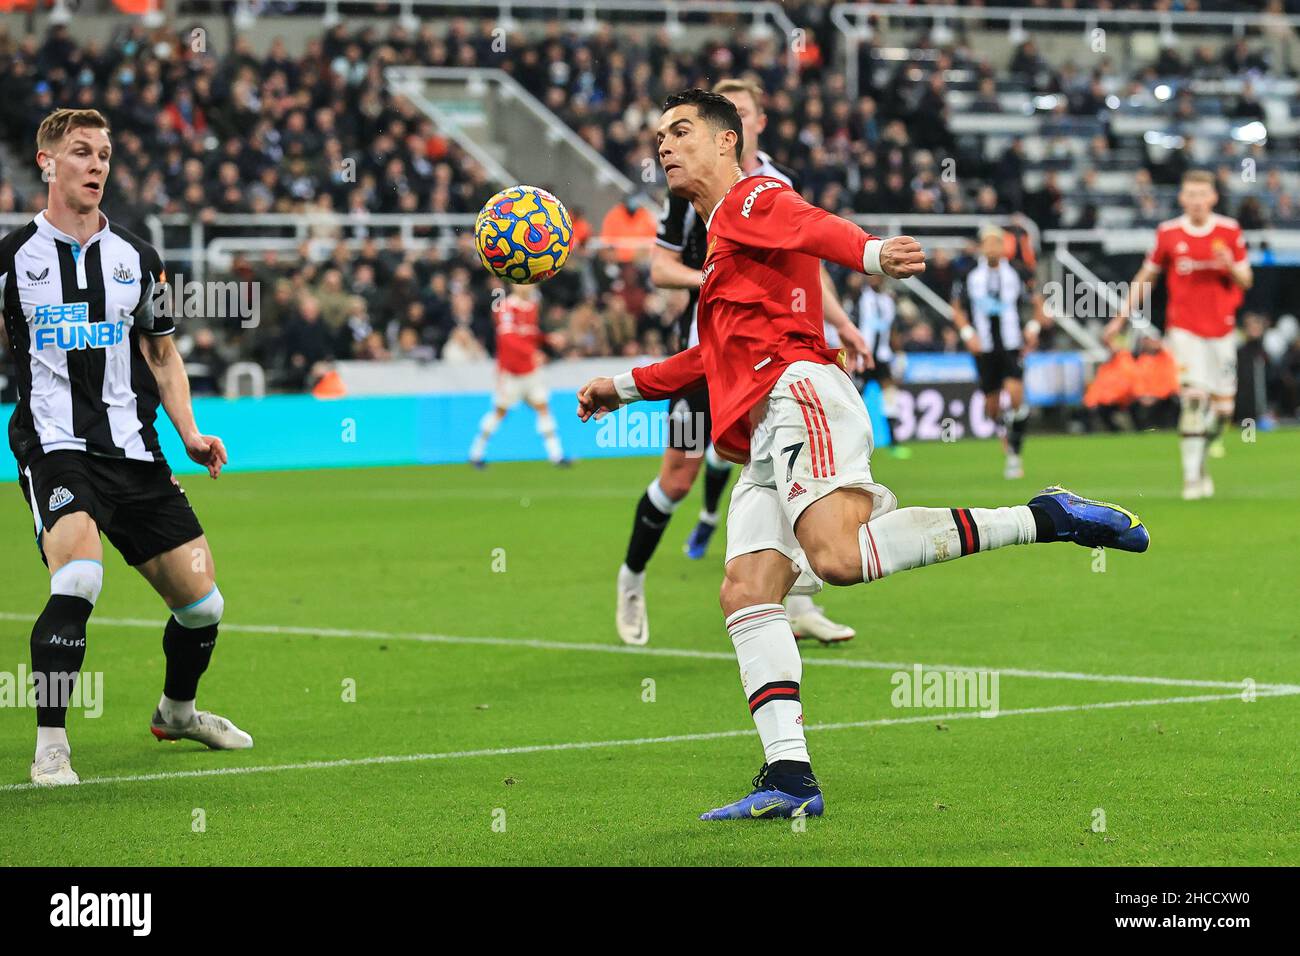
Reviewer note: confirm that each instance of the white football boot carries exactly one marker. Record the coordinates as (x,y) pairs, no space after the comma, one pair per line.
(1014,468)
(53,768)
(631,619)
(209,729)
(1202,487)
(811,621)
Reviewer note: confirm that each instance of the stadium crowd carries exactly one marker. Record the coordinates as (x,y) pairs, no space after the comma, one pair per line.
(208,132)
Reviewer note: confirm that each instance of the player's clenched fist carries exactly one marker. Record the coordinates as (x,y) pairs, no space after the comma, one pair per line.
(902,257)
(598,397)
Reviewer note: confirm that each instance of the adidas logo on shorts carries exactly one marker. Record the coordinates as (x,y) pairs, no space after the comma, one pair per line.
(59,498)
(795,491)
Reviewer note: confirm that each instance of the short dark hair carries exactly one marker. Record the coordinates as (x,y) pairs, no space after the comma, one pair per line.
(714,108)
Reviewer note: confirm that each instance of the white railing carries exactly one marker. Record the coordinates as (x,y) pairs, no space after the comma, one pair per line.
(405,79)
(413,92)
(853,20)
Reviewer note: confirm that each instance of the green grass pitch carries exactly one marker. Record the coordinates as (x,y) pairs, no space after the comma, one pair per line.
(368,576)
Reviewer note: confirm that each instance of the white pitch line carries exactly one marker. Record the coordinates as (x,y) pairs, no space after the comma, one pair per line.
(638,741)
(809,661)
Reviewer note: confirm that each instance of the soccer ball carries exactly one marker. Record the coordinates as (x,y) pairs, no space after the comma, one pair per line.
(523,235)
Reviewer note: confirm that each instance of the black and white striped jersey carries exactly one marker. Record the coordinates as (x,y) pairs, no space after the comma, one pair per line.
(876,313)
(992,296)
(74,314)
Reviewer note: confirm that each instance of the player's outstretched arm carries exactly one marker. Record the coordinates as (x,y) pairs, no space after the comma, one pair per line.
(174,389)
(681,374)
(772,217)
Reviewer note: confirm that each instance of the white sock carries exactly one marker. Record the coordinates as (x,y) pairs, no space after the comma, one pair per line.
(52,737)
(176,713)
(770,671)
(796,604)
(915,537)
(1193,452)
(486,427)
(629,580)
(709,517)
(546,428)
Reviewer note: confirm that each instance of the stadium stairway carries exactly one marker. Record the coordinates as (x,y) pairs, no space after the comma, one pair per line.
(512,133)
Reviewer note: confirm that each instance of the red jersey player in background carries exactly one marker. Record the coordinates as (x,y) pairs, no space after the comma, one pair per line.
(1203,259)
(519,359)
(805,508)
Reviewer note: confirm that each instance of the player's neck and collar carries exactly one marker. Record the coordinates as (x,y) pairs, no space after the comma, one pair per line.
(77,230)
(711,196)
(1197,228)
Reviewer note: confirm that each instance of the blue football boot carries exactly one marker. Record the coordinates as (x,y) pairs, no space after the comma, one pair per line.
(697,545)
(1093,524)
(771,800)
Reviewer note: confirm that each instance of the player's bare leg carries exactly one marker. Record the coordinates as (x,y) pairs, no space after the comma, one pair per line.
(185,579)
(1195,421)
(550,437)
(1222,407)
(487,427)
(75,555)
(677,472)
(1014,421)
(807,619)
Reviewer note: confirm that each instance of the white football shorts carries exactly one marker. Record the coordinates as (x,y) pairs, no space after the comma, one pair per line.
(814,438)
(511,388)
(1206,365)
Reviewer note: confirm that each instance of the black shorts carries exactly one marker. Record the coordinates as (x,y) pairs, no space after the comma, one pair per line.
(689,423)
(879,372)
(138,504)
(996,367)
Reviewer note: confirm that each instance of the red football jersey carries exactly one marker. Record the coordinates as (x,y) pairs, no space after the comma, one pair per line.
(519,334)
(1202,298)
(760,305)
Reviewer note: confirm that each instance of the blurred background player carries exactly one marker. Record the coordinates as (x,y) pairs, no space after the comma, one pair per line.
(675,263)
(876,313)
(1203,258)
(519,374)
(986,308)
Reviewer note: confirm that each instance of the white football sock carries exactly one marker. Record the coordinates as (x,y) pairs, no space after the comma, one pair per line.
(770,671)
(176,713)
(52,737)
(796,604)
(1192,448)
(915,537)
(486,426)
(546,428)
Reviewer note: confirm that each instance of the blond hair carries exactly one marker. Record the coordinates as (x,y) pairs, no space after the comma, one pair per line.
(744,84)
(63,121)
(1200,176)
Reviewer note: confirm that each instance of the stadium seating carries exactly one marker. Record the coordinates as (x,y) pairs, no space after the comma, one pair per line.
(259,128)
